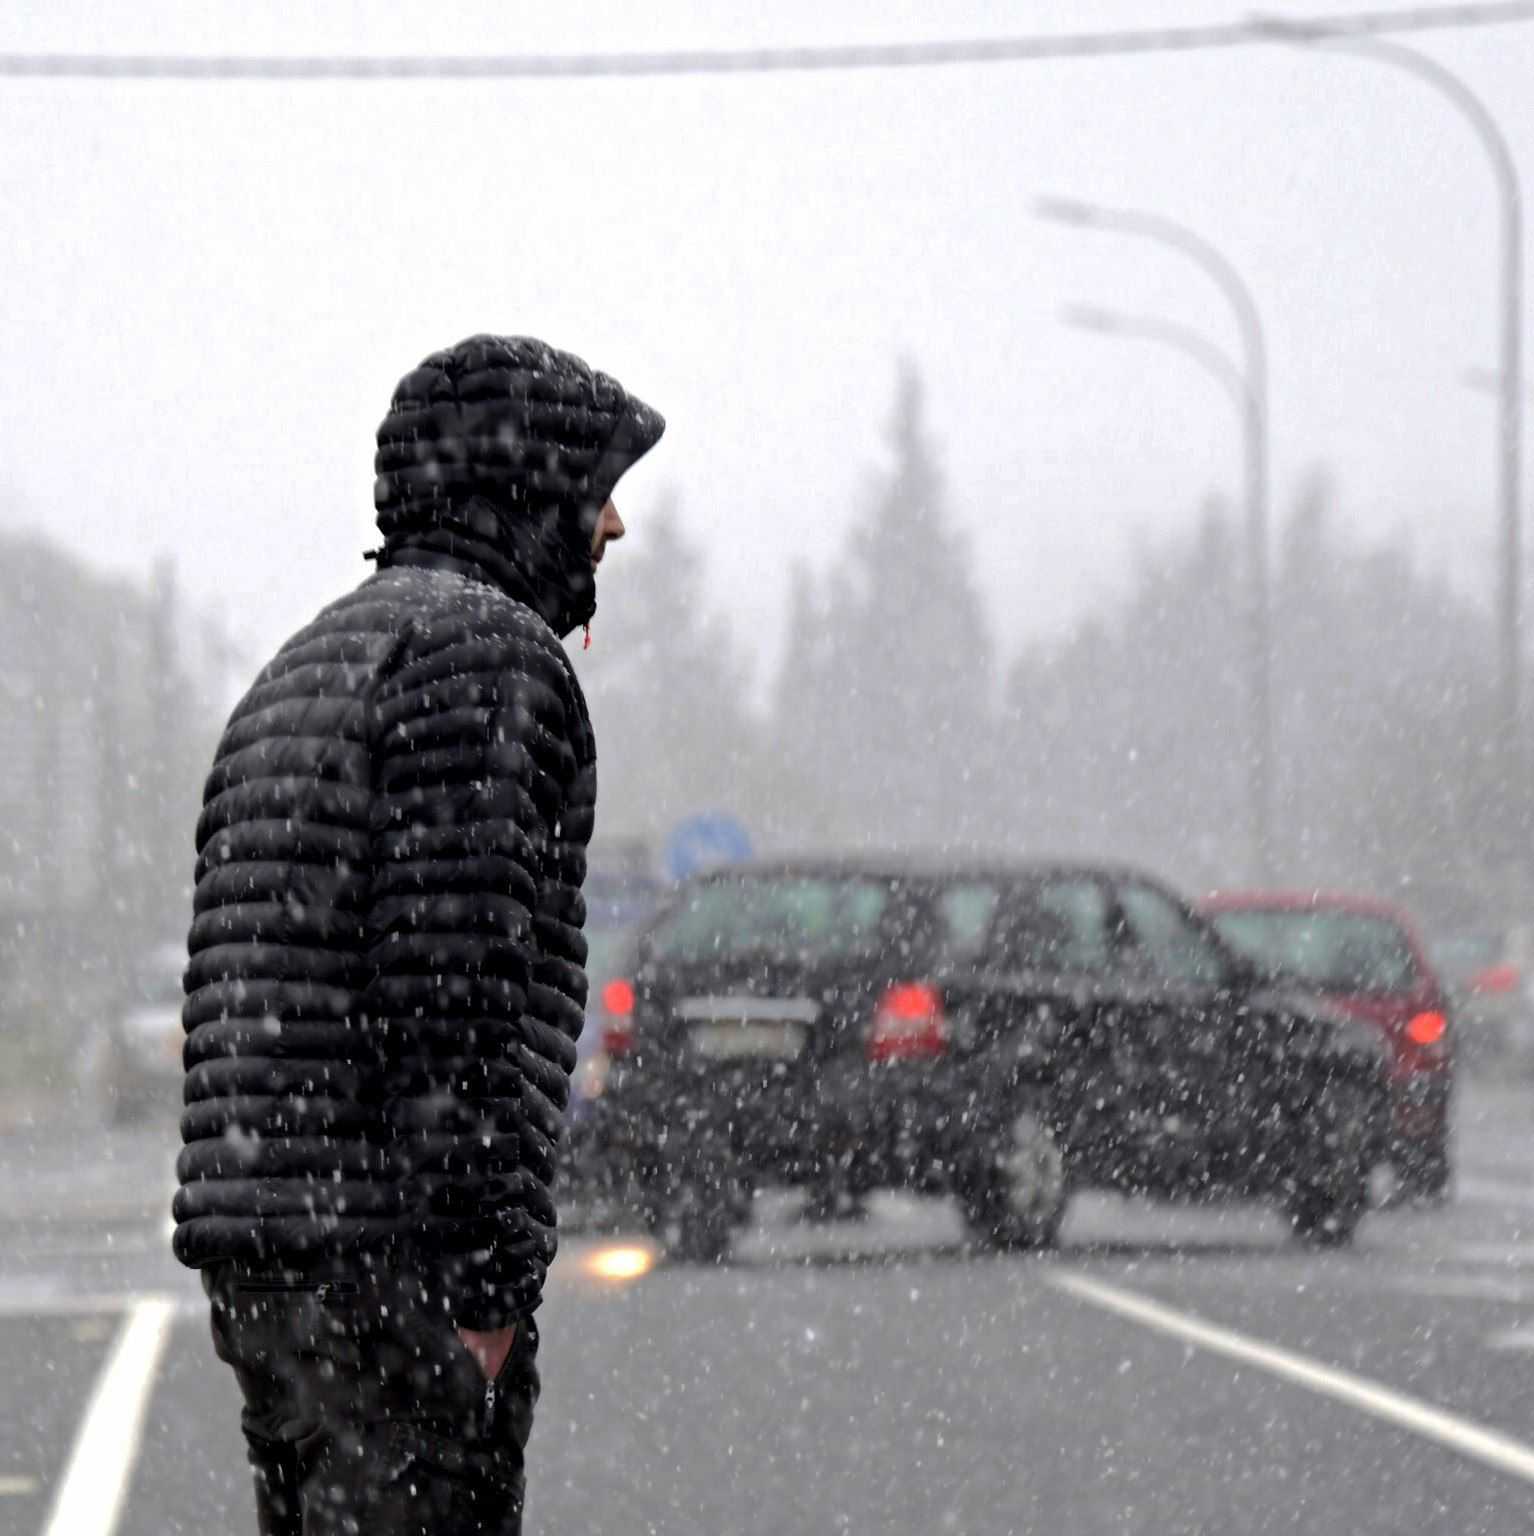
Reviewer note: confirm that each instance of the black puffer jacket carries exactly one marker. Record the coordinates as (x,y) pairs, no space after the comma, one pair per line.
(385,984)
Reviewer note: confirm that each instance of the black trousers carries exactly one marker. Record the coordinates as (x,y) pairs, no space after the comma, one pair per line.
(364,1412)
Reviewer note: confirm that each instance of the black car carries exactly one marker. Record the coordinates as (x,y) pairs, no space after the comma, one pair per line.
(1004,1035)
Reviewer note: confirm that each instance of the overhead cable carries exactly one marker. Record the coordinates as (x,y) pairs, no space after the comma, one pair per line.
(746,61)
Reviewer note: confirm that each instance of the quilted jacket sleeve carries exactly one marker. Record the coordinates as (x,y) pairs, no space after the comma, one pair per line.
(557,998)
(483,781)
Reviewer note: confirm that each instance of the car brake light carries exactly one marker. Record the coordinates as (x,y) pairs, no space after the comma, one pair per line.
(618,1004)
(909,1025)
(1427,1028)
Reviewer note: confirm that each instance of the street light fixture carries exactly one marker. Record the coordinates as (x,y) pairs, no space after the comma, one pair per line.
(1251,386)
(1069,210)
(1181,338)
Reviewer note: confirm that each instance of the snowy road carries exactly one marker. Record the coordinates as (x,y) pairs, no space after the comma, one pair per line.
(1166,1371)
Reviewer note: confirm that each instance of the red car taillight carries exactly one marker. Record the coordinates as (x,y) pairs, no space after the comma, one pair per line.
(618,1004)
(1427,1028)
(909,1025)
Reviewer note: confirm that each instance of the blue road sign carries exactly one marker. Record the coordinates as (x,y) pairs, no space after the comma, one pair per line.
(705,842)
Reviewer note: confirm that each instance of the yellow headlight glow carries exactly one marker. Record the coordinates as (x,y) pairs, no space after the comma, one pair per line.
(618,1262)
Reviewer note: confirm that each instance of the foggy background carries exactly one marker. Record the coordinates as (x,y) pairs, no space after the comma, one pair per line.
(916,564)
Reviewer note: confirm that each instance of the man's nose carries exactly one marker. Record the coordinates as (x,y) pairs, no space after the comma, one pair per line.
(615,528)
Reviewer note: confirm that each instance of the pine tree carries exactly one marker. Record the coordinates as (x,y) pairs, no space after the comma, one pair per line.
(914,673)
(667,689)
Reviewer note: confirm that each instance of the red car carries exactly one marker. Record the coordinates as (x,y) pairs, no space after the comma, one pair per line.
(1367,958)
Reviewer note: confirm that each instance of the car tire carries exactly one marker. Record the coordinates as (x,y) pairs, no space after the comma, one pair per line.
(699,1230)
(1325,1204)
(1427,1179)
(1017,1200)
(696,1219)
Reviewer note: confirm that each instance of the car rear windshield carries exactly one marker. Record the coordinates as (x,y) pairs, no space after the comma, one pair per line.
(822,917)
(1340,951)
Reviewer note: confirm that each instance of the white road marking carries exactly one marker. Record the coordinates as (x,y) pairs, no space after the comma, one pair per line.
(1504,1255)
(86,1249)
(17,1487)
(95,1480)
(1431,1276)
(1512,1338)
(1450,1287)
(1476,1189)
(58,1301)
(1470,1439)
(1441,1248)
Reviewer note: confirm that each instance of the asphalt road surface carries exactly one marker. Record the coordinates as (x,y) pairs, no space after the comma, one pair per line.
(1167,1371)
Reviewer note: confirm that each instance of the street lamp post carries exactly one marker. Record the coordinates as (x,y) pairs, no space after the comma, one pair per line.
(1488,382)
(1510,329)
(1253,395)
(1181,338)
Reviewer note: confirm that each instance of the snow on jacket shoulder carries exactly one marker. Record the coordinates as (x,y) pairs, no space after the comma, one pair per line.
(385,984)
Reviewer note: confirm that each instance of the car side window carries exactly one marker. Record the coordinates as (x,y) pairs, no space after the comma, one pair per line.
(1166,940)
(965,914)
(1060,925)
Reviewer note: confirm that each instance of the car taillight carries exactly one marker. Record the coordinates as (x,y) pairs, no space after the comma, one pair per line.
(908,1025)
(1427,1028)
(618,1005)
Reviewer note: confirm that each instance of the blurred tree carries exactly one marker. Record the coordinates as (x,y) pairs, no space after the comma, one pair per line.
(892,717)
(811,806)
(1127,736)
(668,692)
(1386,677)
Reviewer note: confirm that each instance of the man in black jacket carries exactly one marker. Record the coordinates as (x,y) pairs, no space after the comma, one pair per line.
(385,984)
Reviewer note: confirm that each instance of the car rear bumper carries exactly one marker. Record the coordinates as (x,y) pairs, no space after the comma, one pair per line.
(891,1126)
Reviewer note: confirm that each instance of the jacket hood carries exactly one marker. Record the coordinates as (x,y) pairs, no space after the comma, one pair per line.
(496,457)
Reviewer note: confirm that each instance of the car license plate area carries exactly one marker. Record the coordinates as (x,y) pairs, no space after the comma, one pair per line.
(743,1027)
(747,1039)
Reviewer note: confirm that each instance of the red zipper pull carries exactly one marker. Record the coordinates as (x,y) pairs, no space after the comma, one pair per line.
(587,645)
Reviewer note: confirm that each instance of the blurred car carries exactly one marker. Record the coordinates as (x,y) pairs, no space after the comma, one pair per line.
(621,895)
(1365,957)
(1489,996)
(1004,1035)
(619,900)
(131,1066)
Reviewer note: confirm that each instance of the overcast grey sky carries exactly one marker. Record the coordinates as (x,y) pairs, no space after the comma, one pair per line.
(210,289)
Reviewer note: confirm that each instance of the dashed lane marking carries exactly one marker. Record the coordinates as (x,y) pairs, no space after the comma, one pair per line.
(1476,1441)
(1512,1338)
(1397,1248)
(1505,1255)
(1477,1189)
(1451,1287)
(17,1487)
(86,1248)
(95,1481)
(1444,1284)
(58,1301)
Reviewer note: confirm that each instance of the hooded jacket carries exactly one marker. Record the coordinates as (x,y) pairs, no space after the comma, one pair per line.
(385,982)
